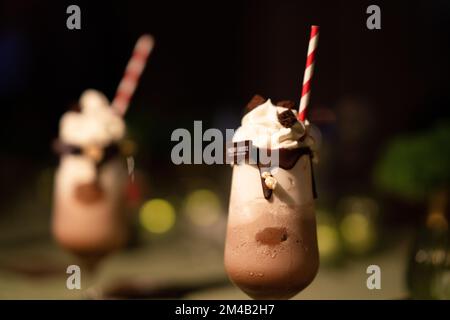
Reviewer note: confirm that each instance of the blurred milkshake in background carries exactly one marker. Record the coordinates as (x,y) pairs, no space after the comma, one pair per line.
(89,215)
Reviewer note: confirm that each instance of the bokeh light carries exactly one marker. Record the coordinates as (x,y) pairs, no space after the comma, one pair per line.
(157,216)
(203,207)
(328,238)
(358,232)
(358,224)
(328,241)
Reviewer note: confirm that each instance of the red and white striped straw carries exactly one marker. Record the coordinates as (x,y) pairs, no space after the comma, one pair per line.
(309,69)
(133,72)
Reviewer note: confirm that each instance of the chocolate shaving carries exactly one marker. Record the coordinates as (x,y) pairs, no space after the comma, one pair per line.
(257,100)
(287,118)
(286,104)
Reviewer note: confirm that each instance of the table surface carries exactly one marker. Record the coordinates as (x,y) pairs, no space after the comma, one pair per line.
(37,271)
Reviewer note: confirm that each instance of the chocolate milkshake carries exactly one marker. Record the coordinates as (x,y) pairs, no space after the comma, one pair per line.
(271,246)
(89,217)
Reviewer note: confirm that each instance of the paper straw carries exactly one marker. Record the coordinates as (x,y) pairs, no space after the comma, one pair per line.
(133,72)
(309,69)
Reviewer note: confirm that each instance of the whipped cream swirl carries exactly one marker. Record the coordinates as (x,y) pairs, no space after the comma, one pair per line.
(262,126)
(97,123)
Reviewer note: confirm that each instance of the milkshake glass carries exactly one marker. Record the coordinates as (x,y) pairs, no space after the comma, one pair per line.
(271,245)
(89,216)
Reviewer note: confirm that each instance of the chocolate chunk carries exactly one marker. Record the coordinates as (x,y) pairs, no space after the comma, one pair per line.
(272,236)
(88,192)
(256,101)
(287,118)
(286,104)
(266,191)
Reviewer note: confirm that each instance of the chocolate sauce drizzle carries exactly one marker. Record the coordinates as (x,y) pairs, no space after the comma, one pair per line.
(109,152)
(244,151)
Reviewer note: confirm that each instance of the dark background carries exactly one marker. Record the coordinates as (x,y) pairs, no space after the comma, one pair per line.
(209,60)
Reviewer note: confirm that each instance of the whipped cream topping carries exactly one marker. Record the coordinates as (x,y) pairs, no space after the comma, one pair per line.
(262,127)
(97,123)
